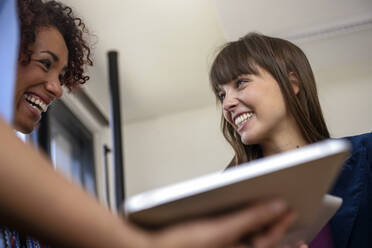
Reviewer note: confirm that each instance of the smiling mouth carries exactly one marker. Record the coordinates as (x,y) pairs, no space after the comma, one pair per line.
(241,119)
(36,103)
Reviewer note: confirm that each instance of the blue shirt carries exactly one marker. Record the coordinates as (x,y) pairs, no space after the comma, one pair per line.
(9,39)
(352,224)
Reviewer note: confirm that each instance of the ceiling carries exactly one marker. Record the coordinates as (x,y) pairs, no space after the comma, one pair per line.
(166,46)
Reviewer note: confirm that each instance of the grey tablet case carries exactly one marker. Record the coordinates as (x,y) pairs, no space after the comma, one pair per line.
(302,177)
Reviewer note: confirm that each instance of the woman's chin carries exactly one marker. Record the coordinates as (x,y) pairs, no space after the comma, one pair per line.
(25,128)
(249,139)
(24,120)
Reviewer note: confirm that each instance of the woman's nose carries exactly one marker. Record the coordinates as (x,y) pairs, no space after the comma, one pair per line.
(54,86)
(230,102)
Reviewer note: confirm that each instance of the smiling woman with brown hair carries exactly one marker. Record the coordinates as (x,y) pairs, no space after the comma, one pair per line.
(267,92)
(285,102)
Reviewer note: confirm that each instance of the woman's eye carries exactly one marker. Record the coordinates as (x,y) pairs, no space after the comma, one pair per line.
(240,82)
(46,63)
(221,96)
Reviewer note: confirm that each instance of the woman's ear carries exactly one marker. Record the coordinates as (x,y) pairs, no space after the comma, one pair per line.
(294,82)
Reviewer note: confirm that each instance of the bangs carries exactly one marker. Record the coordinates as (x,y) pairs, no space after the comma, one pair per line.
(232,61)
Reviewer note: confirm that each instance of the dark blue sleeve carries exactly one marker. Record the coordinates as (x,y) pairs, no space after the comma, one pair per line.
(368,146)
(351,225)
(362,232)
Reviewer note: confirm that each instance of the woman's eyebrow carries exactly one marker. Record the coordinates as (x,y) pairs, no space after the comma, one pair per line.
(55,57)
(219,89)
(242,76)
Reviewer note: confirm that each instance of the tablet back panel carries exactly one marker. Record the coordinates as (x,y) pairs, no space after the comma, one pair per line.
(301,177)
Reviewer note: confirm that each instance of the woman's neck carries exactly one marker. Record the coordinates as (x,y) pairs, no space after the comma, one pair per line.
(288,139)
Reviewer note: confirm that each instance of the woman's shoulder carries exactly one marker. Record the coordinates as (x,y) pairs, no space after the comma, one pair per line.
(361,142)
(361,139)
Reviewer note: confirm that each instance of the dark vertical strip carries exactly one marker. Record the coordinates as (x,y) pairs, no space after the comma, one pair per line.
(116,127)
(106,151)
(43,134)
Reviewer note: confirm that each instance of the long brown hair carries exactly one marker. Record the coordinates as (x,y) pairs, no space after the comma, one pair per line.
(280,58)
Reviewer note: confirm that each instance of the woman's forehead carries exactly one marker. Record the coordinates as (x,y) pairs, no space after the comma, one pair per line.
(50,37)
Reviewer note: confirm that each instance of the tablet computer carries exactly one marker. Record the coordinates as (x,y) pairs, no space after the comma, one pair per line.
(329,206)
(301,177)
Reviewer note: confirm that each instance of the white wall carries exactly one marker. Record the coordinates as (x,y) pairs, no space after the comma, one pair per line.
(172,148)
(342,68)
(346,97)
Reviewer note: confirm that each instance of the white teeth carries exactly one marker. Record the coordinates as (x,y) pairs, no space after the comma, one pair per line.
(240,119)
(41,106)
(36,108)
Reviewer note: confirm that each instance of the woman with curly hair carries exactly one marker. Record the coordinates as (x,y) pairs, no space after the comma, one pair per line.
(53,52)
(34,199)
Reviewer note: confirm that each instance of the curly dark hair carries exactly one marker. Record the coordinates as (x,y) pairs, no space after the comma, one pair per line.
(34,14)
